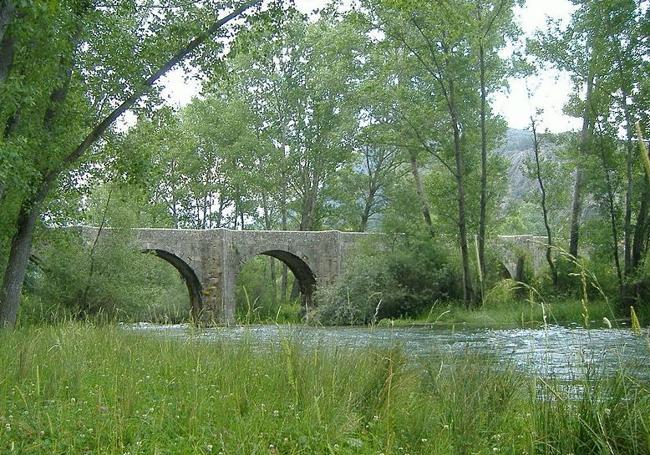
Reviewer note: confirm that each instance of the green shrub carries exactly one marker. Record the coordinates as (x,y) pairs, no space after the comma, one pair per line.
(113,282)
(638,293)
(389,277)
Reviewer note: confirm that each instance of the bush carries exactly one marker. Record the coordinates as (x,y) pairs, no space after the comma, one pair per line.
(115,282)
(388,277)
(584,278)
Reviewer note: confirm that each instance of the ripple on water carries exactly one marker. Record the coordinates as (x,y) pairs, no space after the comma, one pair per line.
(565,353)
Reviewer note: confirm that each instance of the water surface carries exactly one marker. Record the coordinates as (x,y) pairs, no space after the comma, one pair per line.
(562,352)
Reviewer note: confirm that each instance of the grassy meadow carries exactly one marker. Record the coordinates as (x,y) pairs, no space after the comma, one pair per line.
(80,388)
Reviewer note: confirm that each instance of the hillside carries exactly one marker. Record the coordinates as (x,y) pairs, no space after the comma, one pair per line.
(517,148)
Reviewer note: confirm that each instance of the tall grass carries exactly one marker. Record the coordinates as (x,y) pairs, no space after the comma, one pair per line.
(508,312)
(76,388)
(513,303)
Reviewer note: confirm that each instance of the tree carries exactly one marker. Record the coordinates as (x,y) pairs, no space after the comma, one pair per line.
(436,39)
(603,48)
(74,20)
(494,23)
(602,43)
(542,189)
(300,83)
(359,195)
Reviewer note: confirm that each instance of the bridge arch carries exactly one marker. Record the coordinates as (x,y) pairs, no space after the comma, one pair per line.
(192,282)
(302,271)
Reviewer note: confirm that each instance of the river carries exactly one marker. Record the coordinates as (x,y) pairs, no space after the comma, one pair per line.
(565,353)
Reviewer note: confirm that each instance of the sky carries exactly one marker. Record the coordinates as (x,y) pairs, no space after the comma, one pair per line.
(550,89)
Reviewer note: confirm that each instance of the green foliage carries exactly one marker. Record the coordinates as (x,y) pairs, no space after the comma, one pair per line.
(363,120)
(258,295)
(391,277)
(602,48)
(597,275)
(107,279)
(124,284)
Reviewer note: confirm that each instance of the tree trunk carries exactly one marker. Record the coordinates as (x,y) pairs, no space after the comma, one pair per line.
(576,206)
(7,12)
(641,228)
(306,220)
(21,248)
(549,236)
(274,281)
(462,225)
(365,215)
(283,214)
(483,202)
(310,197)
(460,183)
(612,218)
(7,49)
(12,124)
(235,216)
(268,226)
(376,172)
(419,188)
(629,190)
(204,206)
(576,212)
(173,204)
(220,210)
(59,95)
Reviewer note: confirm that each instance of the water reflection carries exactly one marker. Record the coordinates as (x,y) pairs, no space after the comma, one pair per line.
(560,352)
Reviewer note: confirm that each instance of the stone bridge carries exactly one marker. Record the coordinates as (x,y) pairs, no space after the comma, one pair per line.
(210,260)
(515,250)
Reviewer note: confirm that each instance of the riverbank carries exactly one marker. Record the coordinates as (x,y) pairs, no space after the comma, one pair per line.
(519,314)
(76,388)
(495,313)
